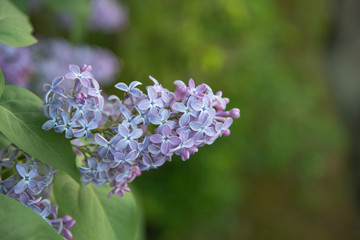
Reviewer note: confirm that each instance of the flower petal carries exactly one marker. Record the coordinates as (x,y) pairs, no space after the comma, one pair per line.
(22,170)
(132,155)
(123,131)
(134,84)
(180,107)
(20,186)
(122,86)
(33,173)
(48,125)
(156,138)
(136,133)
(57,80)
(121,145)
(175,141)
(166,130)
(135,92)
(74,68)
(151,93)
(144,104)
(165,147)
(101,140)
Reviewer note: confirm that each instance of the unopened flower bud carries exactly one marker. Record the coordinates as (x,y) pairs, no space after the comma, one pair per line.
(235,113)
(226,132)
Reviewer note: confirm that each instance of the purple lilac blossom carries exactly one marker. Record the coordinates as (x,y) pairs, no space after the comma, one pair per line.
(29,183)
(16,65)
(142,131)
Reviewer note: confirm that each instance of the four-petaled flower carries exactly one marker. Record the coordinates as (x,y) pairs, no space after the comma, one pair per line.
(66,125)
(131,89)
(106,145)
(165,139)
(187,110)
(203,125)
(197,91)
(83,76)
(203,107)
(121,158)
(128,138)
(86,127)
(162,119)
(28,179)
(153,103)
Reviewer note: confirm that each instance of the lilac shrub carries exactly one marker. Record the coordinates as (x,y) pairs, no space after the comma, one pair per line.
(119,138)
(28,182)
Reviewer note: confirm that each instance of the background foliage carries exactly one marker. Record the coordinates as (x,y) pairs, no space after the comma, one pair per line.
(281,174)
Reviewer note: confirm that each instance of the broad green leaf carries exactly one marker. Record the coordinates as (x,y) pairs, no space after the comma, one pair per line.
(2,82)
(21,120)
(18,222)
(15,28)
(3,141)
(97,216)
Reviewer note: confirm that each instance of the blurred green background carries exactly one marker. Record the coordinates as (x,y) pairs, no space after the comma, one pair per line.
(283,173)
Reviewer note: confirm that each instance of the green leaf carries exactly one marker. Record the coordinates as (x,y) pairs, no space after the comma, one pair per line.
(21,120)
(18,222)
(97,216)
(2,82)
(3,141)
(15,28)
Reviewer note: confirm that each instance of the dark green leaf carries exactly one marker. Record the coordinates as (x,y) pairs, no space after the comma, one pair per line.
(97,216)
(15,28)
(18,222)
(2,82)
(21,120)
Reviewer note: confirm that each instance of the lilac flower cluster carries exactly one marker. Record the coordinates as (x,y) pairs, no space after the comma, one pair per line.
(141,131)
(16,64)
(28,182)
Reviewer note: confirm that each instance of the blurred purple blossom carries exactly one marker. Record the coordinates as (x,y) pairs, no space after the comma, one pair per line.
(16,65)
(108,16)
(52,56)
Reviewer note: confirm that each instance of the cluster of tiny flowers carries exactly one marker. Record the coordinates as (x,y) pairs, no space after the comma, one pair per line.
(16,64)
(143,131)
(28,182)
